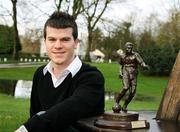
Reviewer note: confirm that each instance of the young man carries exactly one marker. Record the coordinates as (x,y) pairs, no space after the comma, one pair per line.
(66,89)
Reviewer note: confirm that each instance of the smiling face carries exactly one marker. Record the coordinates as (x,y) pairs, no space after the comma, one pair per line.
(60,45)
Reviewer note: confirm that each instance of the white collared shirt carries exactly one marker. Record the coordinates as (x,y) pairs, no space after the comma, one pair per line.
(73,68)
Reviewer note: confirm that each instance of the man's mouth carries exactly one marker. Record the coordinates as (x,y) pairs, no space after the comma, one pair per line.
(59,52)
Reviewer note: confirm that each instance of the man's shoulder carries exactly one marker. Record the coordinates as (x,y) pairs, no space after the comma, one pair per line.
(88,70)
(89,74)
(39,70)
(87,67)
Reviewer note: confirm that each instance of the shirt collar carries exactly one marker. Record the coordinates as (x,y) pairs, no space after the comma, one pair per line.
(73,67)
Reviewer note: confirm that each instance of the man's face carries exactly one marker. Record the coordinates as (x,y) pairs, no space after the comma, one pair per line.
(60,45)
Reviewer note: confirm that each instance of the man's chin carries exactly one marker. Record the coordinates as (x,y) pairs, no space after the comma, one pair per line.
(58,62)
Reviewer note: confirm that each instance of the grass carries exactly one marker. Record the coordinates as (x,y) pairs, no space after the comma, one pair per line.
(17,73)
(13,112)
(149,88)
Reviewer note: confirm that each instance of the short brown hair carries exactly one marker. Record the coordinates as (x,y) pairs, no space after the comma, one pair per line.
(61,20)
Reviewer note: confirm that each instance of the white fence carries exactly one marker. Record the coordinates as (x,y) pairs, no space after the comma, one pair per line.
(4,59)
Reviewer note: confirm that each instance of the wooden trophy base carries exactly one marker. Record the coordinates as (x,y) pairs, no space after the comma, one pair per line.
(121,121)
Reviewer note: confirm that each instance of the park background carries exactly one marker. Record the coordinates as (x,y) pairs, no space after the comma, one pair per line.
(154,28)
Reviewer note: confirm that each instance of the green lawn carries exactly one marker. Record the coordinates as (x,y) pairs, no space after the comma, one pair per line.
(17,73)
(149,88)
(13,111)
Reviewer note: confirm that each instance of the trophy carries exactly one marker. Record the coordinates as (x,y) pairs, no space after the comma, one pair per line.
(120,117)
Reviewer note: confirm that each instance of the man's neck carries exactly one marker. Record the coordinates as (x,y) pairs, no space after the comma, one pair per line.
(57,69)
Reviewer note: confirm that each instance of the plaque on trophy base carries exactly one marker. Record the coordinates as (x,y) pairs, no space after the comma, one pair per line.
(121,121)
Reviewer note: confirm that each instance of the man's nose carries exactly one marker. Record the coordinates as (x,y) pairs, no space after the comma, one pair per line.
(58,44)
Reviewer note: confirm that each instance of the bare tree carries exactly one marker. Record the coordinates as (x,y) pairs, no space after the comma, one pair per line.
(93,15)
(17,45)
(76,6)
(31,41)
(4,13)
(58,4)
(16,41)
(169,31)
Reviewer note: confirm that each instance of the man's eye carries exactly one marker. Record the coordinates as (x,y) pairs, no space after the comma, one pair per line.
(66,39)
(51,39)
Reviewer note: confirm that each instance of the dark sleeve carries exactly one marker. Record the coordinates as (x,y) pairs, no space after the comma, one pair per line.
(35,106)
(87,100)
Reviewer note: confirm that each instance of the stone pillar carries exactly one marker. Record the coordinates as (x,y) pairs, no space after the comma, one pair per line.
(169,108)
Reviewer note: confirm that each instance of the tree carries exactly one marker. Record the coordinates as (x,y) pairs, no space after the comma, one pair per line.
(16,40)
(91,12)
(31,42)
(93,15)
(123,34)
(97,37)
(6,39)
(76,7)
(109,45)
(169,32)
(146,40)
(169,107)
(127,26)
(58,4)
(17,44)
(113,40)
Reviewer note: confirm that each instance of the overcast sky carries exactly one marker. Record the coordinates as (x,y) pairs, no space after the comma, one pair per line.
(118,11)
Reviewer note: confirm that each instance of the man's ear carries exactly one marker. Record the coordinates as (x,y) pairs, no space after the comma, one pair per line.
(76,43)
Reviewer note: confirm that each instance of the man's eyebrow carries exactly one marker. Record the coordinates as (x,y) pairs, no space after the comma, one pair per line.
(50,37)
(66,38)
